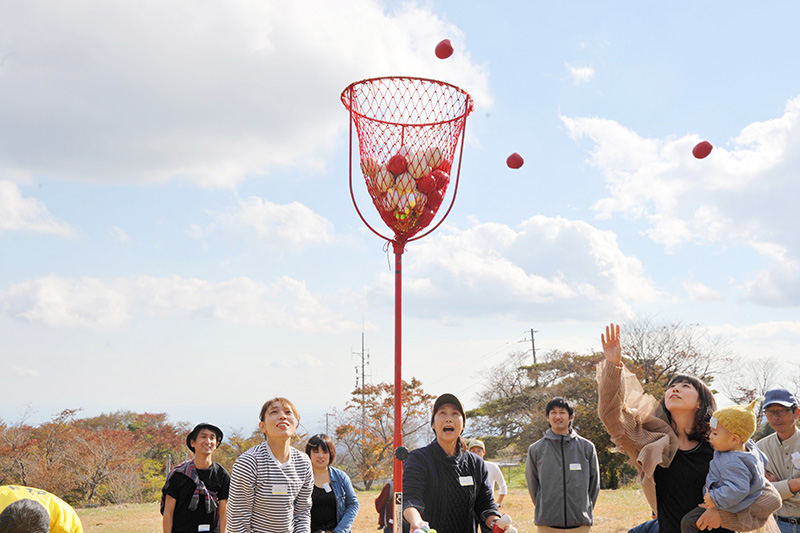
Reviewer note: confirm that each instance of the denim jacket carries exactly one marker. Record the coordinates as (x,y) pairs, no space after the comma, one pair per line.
(346,500)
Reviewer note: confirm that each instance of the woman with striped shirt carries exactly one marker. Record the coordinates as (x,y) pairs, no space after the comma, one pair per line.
(271,483)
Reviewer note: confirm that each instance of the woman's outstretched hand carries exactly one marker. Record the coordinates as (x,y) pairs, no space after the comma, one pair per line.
(611,346)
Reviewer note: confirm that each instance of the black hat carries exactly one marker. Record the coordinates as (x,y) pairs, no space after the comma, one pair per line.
(193,435)
(445,399)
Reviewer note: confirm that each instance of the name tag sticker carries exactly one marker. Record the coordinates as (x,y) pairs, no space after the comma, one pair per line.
(280,489)
(327,487)
(204,527)
(466,481)
(574,466)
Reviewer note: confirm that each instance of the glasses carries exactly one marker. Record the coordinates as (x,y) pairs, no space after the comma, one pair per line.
(778,412)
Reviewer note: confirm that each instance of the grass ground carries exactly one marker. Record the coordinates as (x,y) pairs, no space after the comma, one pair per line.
(617,510)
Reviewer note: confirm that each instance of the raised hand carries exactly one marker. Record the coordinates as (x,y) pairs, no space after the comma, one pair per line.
(611,346)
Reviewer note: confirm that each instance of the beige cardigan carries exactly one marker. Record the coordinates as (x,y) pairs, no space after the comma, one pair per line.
(639,427)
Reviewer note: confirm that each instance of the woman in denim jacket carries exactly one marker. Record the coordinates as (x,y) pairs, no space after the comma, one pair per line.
(334,504)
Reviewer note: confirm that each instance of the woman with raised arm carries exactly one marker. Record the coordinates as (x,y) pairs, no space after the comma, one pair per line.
(666,441)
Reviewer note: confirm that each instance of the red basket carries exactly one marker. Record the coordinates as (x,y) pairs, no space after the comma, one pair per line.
(408,131)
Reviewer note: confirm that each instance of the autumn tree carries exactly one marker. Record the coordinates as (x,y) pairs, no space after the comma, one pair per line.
(52,452)
(117,457)
(96,457)
(365,429)
(17,452)
(235,444)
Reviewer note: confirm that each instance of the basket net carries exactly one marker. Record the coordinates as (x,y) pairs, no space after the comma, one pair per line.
(408,131)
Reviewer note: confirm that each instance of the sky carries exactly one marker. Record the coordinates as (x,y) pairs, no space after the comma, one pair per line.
(177,233)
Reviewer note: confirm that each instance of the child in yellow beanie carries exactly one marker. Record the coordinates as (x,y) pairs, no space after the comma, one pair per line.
(736,474)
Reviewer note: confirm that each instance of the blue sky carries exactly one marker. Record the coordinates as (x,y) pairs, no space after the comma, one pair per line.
(177,233)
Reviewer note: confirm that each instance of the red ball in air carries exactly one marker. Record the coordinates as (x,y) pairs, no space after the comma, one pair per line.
(444,49)
(515,161)
(702,149)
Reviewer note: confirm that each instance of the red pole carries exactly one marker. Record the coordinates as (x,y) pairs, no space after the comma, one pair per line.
(397,466)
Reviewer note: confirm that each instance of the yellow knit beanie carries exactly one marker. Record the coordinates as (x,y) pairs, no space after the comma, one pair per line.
(738,419)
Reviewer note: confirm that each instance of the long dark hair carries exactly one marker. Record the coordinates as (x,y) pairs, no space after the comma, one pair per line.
(708,405)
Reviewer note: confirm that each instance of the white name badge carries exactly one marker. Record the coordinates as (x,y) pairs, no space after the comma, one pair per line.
(280,489)
(204,527)
(466,481)
(327,487)
(574,466)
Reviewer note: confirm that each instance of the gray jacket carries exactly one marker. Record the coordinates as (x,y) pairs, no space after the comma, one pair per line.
(563,477)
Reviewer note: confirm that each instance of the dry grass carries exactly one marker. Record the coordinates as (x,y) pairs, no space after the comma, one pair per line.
(617,510)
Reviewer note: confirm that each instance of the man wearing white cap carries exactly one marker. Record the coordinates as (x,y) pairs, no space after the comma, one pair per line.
(782,448)
(495,474)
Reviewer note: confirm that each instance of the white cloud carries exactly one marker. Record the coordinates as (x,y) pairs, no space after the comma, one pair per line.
(90,302)
(564,268)
(700,292)
(777,338)
(579,75)
(19,213)
(293,226)
(210,93)
(24,372)
(744,195)
(118,234)
(300,361)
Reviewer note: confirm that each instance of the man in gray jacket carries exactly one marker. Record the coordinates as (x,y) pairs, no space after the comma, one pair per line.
(563,474)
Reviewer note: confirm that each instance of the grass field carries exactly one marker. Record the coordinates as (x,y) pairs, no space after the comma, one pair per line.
(617,510)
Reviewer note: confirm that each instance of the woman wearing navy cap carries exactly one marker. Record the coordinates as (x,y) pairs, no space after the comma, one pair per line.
(443,484)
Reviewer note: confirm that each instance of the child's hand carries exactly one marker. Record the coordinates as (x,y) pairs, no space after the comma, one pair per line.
(709,503)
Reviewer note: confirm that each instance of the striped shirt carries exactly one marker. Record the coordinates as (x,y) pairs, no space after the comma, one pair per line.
(267,496)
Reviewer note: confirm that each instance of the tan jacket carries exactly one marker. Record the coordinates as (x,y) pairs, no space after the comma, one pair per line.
(780,465)
(639,427)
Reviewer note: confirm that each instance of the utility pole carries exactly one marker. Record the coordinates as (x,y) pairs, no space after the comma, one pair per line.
(364,355)
(327,428)
(533,349)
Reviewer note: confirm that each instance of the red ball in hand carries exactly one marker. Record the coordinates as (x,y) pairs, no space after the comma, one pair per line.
(444,49)
(515,161)
(702,149)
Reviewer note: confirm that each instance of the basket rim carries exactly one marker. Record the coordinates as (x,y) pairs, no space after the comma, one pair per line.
(346,101)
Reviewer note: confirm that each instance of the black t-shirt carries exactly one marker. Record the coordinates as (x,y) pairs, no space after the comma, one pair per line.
(180,487)
(323,510)
(679,488)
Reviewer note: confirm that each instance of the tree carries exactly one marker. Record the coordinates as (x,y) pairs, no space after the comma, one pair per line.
(52,452)
(657,351)
(234,445)
(17,451)
(511,413)
(95,457)
(365,429)
(114,457)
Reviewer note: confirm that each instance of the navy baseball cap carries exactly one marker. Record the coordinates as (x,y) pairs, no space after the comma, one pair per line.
(780,396)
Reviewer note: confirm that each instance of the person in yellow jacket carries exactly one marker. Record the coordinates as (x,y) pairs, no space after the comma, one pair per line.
(63,518)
